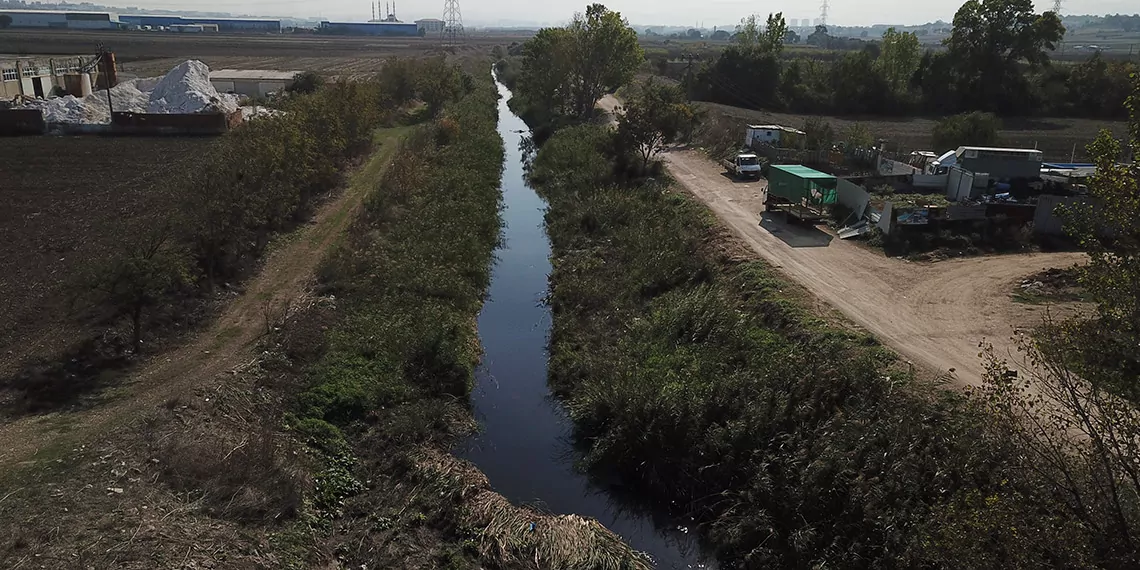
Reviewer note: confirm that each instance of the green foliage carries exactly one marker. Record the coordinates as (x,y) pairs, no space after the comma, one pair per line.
(968,129)
(653,118)
(143,274)
(409,281)
(769,39)
(264,177)
(704,385)
(989,41)
(566,70)
(1106,227)
(306,82)
(818,134)
(899,58)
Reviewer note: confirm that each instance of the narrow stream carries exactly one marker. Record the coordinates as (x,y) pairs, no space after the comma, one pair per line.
(524,446)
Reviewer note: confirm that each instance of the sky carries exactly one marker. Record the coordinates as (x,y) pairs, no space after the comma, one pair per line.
(640,12)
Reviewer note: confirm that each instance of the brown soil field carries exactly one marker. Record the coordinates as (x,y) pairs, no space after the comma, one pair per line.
(67,202)
(151,53)
(1056,137)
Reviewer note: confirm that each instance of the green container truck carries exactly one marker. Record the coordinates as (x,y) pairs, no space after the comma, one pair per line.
(803,193)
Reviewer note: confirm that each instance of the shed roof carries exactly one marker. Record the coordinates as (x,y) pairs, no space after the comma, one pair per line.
(252,75)
(803,171)
(777,128)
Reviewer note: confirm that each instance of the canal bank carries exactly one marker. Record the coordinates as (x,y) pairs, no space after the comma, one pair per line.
(524,446)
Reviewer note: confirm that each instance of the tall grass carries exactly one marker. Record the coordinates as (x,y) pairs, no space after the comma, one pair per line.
(694,379)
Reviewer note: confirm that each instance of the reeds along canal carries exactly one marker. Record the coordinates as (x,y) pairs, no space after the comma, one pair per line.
(524,446)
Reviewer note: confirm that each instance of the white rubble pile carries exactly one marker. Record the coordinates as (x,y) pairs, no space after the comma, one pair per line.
(185,89)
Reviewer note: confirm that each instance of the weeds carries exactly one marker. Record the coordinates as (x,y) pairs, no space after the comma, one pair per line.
(704,386)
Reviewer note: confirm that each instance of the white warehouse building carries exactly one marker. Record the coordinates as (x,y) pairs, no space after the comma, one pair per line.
(62,19)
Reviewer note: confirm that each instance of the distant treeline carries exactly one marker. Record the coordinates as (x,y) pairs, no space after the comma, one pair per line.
(1001,69)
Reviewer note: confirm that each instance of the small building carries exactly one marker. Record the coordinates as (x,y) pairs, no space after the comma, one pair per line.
(62,19)
(1000,163)
(770,134)
(37,76)
(369,29)
(251,82)
(430,25)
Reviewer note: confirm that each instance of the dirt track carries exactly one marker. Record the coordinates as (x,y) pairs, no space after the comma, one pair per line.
(225,346)
(935,314)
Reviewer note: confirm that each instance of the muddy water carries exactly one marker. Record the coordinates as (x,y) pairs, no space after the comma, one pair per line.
(524,445)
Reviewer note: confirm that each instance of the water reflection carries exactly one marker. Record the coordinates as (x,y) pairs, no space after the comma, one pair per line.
(525,445)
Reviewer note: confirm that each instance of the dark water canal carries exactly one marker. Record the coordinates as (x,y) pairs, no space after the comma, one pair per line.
(524,446)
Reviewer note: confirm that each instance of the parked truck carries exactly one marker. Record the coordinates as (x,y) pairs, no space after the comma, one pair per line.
(743,165)
(801,192)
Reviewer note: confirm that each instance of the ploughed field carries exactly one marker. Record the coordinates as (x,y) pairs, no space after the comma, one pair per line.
(1055,137)
(153,53)
(67,203)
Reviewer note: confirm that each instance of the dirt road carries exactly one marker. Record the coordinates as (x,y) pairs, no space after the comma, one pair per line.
(223,347)
(934,314)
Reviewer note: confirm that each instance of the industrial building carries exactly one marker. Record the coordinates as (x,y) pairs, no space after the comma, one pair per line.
(35,77)
(431,25)
(251,82)
(62,19)
(232,25)
(369,28)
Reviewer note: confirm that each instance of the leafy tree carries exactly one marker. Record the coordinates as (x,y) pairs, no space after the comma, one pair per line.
(604,56)
(741,77)
(1099,87)
(989,41)
(819,37)
(140,277)
(818,134)
(769,39)
(306,82)
(546,67)
(653,119)
(5,21)
(566,70)
(438,82)
(775,33)
(857,135)
(967,129)
(720,35)
(899,57)
(748,32)
(858,86)
(1075,418)
(1107,228)
(791,37)
(693,34)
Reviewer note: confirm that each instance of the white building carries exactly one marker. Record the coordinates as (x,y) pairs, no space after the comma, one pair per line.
(430,25)
(251,82)
(769,134)
(62,19)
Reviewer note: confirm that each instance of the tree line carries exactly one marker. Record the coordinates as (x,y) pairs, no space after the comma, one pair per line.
(996,59)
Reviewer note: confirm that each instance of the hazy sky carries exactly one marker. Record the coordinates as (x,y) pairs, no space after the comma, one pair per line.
(676,12)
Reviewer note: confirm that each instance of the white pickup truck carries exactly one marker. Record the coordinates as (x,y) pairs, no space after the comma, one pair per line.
(743,165)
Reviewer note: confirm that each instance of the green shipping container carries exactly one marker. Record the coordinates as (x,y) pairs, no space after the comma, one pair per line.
(797,183)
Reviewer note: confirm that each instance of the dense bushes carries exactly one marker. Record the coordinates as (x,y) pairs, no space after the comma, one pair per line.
(409,282)
(702,384)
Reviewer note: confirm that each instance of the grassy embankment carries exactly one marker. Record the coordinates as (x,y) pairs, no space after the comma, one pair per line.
(702,381)
(389,392)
